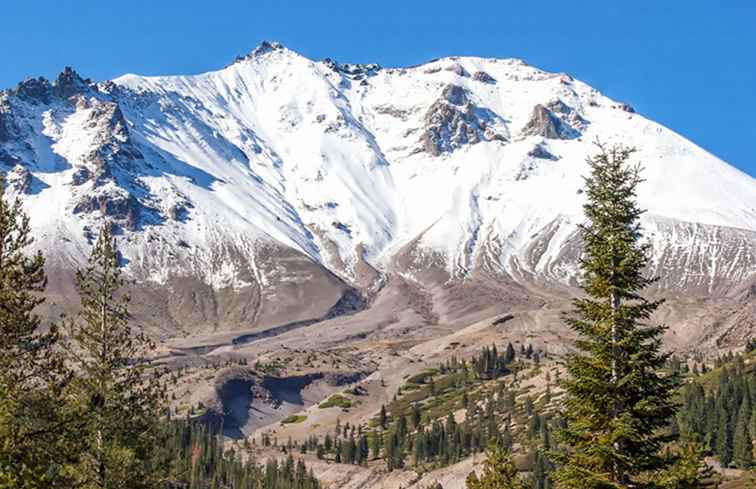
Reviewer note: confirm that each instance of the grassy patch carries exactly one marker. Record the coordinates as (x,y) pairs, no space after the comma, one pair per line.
(336,400)
(294,418)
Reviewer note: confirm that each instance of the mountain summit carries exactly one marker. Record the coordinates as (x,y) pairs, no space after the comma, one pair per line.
(281,189)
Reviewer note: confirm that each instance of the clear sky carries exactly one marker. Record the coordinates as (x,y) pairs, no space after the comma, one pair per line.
(688,64)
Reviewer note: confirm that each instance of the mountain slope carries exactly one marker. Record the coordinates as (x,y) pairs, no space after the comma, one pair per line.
(271,190)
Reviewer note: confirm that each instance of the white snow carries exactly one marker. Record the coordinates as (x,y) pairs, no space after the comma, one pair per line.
(279,148)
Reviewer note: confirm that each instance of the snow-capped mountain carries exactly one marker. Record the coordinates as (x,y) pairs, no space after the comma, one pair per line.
(280,187)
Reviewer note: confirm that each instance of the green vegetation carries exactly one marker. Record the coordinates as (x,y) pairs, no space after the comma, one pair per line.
(336,400)
(294,419)
(499,472)
(88,412)
(196,456)
(616,402)
(118,402)
(718,409)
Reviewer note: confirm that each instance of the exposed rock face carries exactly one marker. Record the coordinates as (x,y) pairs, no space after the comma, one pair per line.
(541,152)
(353,71)
(265,47)
(20,180)
(256,196)
(69,83)
(458,70)
(530,165)
(121,207)
(453,121)
(625,107)
(484,77)
(247,399)
(556,120)
(40,90)
(6,121)
(542,123)
(112,147)
(454,94)
(34,90)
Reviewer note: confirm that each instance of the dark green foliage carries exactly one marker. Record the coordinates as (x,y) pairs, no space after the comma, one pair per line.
(382,417)
(113,392)
(491,364)
(689,469)
(499,472)
(196,457)
(23,349)
(34,429)
(722,416)
(742,443)
(616,401)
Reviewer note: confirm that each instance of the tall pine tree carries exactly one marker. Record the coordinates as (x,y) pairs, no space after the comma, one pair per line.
(114,393)
(616,401)
(742,444)
(33,424)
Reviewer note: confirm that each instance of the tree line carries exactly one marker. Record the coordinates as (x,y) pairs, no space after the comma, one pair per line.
(724,416)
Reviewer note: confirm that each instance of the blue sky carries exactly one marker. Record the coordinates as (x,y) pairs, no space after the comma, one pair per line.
(690,65)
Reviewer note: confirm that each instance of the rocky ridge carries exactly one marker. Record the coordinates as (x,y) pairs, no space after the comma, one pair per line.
(263,193)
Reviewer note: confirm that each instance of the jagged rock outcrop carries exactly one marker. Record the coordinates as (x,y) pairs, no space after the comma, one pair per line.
(111,146)
(69,83)
(541,152)
(116,204)
(484,77)
(530,165)
(264,47)
(454,121)
(20,180)
(353,71)
(40,90)
(259,193)
(34,90)
(625,107)
(556,120)
(6,120)
(458,69)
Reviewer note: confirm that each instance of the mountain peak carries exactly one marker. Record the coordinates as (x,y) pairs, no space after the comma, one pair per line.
(266,47)
(261,49)
(69,83)
(452,170)
(66,84)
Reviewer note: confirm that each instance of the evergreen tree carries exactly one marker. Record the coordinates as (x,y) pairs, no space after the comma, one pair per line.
(690,470)
(742,444)
(541,471)
(498,472)
(117,397)
(375,444)
(416,415)
(724,440)
(382,417)
(35,429)
(616,401)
